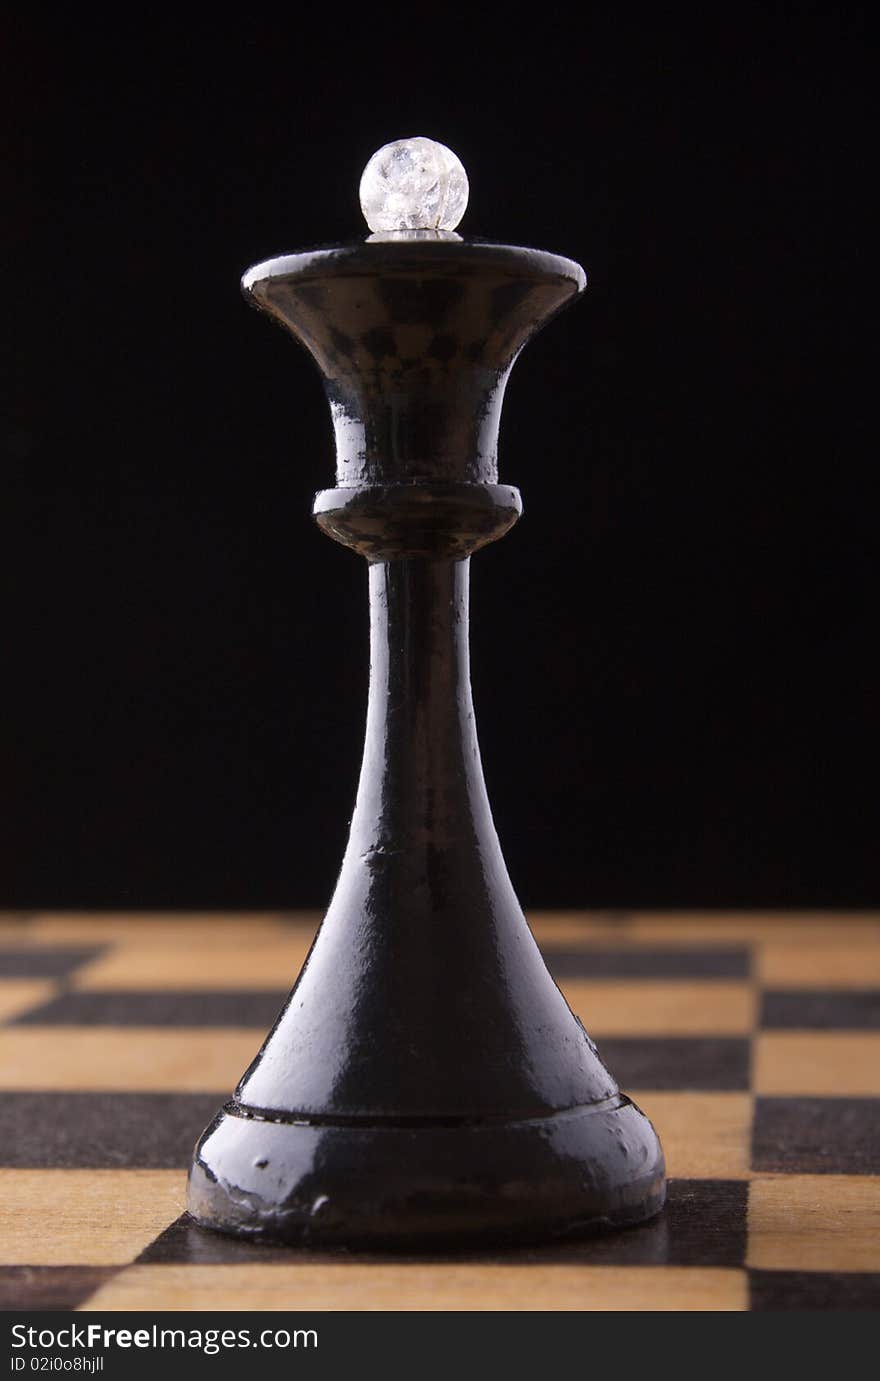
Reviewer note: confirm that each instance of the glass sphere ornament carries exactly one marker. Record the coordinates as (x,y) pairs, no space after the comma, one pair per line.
(413,184)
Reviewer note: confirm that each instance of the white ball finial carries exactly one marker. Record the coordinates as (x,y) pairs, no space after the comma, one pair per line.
(413,184)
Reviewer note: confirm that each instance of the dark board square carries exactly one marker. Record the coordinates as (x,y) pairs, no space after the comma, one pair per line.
(821,1011)
(77,1008)
(814,1136)
(593,962)
(144,1131)
(703,1224)
(183,1242)
(688,1063)
(707,1222)
(772,1290)
(27,1288)
(40,961)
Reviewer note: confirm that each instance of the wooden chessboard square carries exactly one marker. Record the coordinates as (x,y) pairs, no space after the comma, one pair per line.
(163,929)
(832,1064)
(809,1136)
(829,1009)
(833,959)
(145,1058)
(592,962)
(45,961)
(84,1217)
(807,1291)
(437,1285)
(794,930)
(35,1288)
(166,1007)
(814,1222)
(662,1008)
(692,1063)
(104,1131)
(229,960)
(704,1135)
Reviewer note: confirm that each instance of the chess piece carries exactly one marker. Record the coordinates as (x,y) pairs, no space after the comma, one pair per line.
(426,1081)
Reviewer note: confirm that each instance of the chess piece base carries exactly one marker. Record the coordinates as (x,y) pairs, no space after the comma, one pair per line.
(427,1184)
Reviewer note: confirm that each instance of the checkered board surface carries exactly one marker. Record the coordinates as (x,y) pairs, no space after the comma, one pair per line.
(752,1041)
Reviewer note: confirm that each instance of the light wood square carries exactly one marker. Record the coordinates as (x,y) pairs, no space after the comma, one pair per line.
(703,1135)
(817,1064)
(391,1287)
(229,961)
(820,965)
(640,1007)
(85,1217)
(125,1059)
(814,1223)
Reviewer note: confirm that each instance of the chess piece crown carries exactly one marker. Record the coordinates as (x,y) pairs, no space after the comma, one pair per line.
(426,1080)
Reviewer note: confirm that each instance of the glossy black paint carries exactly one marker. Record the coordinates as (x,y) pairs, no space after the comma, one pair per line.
(415,339)
(361,1184)
(426,1080)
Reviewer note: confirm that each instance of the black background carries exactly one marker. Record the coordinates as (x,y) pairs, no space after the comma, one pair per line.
(671,652)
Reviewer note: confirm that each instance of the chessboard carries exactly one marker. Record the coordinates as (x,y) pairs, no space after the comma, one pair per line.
(751,1040)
